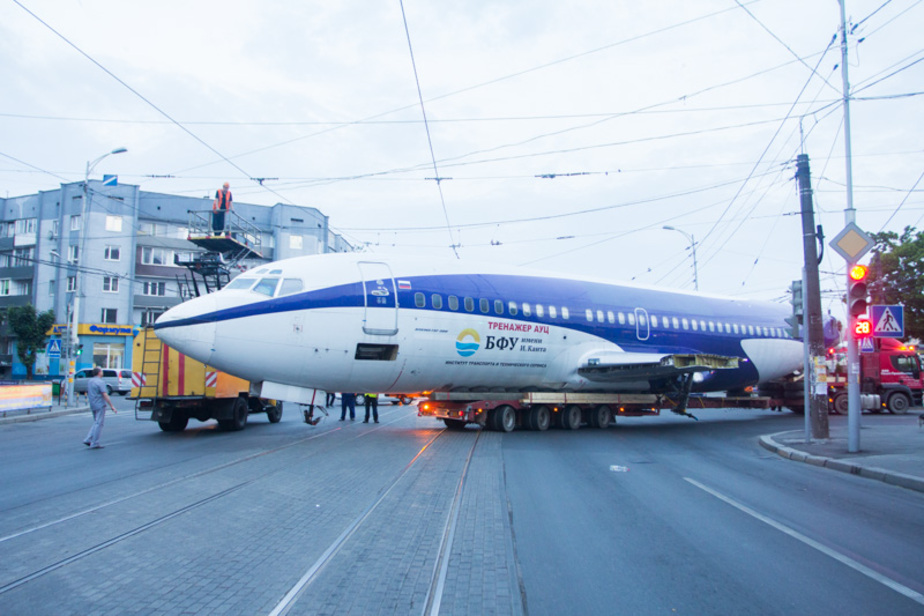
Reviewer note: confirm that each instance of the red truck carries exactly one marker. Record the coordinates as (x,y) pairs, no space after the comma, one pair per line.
(892,371)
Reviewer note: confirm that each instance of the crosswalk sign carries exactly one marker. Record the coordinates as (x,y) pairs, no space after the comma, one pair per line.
(866,344)
(888,321)
(53,348)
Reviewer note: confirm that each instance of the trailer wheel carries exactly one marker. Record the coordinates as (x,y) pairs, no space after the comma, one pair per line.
(274,412)
(505,418)
(570,417)
(898,403)
(600,416)
(177,423)
(538,417)
(840,404)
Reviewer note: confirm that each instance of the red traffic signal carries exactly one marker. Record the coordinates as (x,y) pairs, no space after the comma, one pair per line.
(857,300)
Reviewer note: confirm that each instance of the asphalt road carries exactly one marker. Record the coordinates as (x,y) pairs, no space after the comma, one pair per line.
(654,516)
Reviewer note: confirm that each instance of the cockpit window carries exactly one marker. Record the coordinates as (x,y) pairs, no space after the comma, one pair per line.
(276,272)
(241,282)
(290,286)
(266,286)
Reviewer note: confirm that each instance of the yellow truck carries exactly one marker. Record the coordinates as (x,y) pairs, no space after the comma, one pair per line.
(169,388)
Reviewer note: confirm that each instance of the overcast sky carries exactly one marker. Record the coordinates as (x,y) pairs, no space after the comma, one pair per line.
(566,134)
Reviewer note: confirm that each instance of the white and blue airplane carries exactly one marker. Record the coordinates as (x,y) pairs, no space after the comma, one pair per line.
(363,322)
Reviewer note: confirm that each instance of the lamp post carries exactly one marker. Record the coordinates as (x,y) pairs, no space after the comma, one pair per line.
(81,242)
(692,249)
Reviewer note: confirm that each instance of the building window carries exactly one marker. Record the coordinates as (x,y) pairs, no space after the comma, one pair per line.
(110,284)
(109,315)
(51,287)
(149,316)
(7,229)
(153,256)
(295,242)
(73,251)
(5,287)
(155,288)
(22,256)
(113,253)
(71,283)
(22,287)
(75,222)
(25,225)
(114,223)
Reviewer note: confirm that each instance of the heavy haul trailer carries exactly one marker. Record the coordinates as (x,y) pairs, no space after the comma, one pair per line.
(539,411)
(170,388)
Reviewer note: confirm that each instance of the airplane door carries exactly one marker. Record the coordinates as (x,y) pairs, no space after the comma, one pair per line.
(381,307)
(641,324)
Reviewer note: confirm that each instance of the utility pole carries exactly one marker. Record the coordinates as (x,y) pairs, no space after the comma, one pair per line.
(816,386)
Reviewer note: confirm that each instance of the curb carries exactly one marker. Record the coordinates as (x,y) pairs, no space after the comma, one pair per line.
(24,417)
(869,472)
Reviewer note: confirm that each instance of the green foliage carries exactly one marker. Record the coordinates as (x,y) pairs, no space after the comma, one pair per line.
(30,329)
(897,275)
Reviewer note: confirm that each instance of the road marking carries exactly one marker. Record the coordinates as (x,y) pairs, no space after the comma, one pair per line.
(870,573)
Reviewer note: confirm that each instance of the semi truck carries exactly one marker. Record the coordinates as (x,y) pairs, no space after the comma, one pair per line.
(171,388)
(891,370)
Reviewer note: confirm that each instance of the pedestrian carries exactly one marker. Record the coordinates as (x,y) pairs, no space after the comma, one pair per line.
(220,205)
(331,399)
(371,401)
(99,400)
(347,401)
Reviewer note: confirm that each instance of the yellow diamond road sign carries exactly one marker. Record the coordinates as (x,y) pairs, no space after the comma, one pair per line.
(852,243)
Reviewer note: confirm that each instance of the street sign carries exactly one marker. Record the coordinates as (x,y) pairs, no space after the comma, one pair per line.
(888,321)
(867,345)
(53,348)
(110,180)
(852,243)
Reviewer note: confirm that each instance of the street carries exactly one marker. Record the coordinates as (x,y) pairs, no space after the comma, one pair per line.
(659,515)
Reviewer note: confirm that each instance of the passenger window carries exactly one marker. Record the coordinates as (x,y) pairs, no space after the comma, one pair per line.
(498,307)
(512,308)
(599,316)
(675,322)
(751,330)
(712,326)
(266,286)
(565,313)
(453,302)
(540,311)
(553,313)
(436,301)
(469,304)
(654,321)
(622,318)
(631,318)
(642,320)
(419,300)
(485,305)
(590,315)
(735,327)
(610,317)
(527,310)
(685,323)
(695,325)
(290,286)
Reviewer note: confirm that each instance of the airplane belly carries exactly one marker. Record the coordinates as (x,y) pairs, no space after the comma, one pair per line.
(774,358)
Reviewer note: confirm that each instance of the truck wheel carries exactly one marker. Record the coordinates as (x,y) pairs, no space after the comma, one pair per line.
(570,417)
(840,404)
(538,417)
(238,416)
(898,403)
(505,418)
(274,412)
(177,422)
(600,416)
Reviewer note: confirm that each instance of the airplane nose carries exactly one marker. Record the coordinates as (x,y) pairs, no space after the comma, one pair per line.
(189,329)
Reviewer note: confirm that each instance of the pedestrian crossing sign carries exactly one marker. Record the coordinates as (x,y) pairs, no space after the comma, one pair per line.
(888,321)
(867,345)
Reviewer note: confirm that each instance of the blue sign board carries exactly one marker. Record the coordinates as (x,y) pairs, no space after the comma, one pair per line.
(867,345)
(53,349)
(110,180)
(888,321)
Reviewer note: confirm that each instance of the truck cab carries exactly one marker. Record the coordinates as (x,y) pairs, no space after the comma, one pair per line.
(894,372)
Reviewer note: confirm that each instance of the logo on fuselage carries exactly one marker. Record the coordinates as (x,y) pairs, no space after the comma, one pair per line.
(468,342)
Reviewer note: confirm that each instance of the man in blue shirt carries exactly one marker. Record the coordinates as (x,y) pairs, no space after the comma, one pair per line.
(99,399)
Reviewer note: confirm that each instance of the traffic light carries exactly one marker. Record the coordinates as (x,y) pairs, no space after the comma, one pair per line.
(857,292)
(797,300)
(79,350)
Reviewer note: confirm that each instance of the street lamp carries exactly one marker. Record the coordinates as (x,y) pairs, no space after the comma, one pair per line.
(692,249)
(82,238)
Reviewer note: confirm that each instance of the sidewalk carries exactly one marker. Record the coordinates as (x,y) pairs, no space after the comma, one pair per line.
(56,410)
(891,448)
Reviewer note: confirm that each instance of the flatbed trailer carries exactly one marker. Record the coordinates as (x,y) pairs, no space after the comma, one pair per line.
(171,388)
(540,410)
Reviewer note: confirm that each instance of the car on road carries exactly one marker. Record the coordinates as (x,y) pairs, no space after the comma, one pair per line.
(399,399)
(118,381)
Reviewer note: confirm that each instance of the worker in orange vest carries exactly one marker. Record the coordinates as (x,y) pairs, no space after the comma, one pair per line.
(220,205)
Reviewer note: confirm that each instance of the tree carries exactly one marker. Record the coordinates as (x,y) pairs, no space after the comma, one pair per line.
(30,330)
(897,275)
